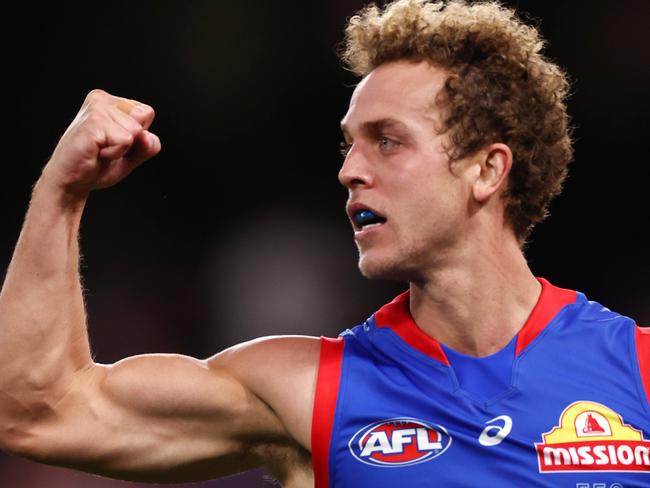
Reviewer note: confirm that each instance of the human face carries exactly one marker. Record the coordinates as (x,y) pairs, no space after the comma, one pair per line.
(397,167)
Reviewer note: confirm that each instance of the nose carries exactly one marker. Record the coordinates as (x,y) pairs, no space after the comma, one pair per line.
(355,170)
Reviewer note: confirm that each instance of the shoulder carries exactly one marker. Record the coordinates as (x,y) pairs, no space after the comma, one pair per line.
(282,372)
(589,311)
(269,355)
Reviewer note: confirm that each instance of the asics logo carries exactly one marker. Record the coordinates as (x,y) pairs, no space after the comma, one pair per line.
(494,433)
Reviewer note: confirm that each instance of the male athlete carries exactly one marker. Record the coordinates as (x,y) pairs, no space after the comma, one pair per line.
(480,374)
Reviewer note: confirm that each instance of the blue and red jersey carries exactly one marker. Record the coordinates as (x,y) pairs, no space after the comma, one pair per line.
(565,404)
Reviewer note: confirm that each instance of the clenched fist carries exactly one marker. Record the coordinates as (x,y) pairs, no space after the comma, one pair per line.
(107,140)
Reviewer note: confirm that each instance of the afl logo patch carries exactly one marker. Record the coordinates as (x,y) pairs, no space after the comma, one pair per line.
(399,442)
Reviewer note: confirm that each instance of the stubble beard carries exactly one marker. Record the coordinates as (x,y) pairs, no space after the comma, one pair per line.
(409,262)
(394,266)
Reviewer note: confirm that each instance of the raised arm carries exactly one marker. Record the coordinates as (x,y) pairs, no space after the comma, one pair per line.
(159,418)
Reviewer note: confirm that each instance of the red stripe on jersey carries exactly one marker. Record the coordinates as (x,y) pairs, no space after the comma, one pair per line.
(550,302)
(327,390)
(397,316)
(643,353)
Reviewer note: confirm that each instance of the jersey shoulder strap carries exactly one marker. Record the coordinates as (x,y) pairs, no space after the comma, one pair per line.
(325,397)
(642,336)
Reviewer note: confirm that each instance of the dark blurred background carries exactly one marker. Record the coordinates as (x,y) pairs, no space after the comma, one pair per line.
(237,228)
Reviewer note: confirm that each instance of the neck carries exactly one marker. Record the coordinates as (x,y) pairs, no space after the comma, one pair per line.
(479,300)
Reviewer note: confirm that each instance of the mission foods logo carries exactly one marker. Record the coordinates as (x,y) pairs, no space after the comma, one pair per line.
(399,442)
(591,437)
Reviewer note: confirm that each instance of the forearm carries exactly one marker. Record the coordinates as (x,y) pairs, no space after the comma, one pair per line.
(53,398)
(43,338)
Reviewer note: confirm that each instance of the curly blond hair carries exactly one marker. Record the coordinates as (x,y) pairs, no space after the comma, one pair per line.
(500,88)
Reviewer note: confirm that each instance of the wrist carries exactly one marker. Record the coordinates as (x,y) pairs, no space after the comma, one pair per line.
(59,195)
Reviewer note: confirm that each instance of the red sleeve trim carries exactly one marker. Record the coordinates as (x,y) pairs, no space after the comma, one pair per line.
(643,353)
(327,391)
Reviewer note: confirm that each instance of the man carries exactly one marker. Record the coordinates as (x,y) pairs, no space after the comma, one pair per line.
(456,141)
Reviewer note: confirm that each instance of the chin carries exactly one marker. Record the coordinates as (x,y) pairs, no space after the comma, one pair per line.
(382,269)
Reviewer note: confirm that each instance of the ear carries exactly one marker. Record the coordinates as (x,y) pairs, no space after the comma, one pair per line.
(494,164)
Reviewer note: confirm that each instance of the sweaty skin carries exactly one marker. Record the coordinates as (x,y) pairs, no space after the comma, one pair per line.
(172,418)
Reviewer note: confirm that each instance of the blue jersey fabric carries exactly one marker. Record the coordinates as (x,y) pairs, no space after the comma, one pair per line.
(567,410)
(483,378)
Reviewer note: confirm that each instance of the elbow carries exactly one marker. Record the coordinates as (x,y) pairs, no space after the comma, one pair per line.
(22,426)
(30,440)
(19,439)
(35,418)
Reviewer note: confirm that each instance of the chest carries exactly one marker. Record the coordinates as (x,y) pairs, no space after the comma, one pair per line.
(565,418)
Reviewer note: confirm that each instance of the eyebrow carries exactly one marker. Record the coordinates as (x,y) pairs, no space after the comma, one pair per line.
(374,127)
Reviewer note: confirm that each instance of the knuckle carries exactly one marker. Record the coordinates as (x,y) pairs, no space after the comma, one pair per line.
(145,111)
(94,118)
(96,95)
(122,138)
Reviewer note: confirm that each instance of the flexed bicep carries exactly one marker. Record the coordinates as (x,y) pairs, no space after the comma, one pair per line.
(157,418)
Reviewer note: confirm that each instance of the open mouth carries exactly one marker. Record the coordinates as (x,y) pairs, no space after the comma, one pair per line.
(365,218)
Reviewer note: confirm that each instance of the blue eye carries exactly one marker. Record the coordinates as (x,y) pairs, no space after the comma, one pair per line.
(386,143)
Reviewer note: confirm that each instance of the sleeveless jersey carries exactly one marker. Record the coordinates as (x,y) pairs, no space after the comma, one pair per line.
(568,405)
